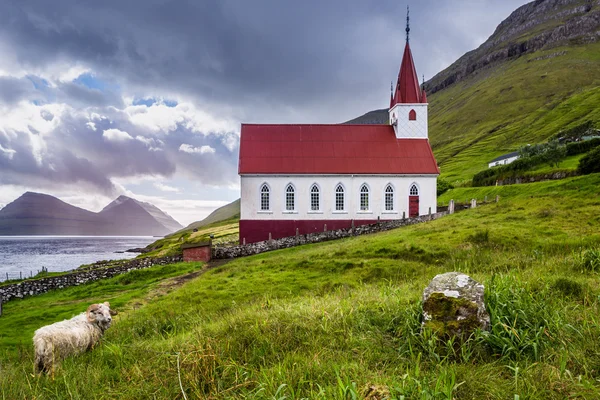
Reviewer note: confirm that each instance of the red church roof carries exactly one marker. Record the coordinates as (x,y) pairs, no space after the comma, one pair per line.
(408,90)
(332,149)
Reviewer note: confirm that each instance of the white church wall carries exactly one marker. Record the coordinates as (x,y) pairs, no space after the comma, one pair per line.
(417,129)
(251,185)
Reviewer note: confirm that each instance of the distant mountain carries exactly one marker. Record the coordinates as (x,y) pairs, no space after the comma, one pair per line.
(41,214)
(538,74)
(376,117)
(229,211)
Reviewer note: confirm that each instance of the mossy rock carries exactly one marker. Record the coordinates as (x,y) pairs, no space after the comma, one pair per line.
(453,306)
(450,316)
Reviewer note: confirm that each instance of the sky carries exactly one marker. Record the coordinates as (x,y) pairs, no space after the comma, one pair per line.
(145,98)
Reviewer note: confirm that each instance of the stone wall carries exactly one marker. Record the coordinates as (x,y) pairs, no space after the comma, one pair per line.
(269,245)
(101,270)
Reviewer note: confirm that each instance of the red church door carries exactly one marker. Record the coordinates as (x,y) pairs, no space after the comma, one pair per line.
(413,206)
(413,201)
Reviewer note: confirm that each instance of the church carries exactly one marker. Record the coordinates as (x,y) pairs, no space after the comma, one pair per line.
(307,178)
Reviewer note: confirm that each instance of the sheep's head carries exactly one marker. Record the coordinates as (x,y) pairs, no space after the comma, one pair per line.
(100,314)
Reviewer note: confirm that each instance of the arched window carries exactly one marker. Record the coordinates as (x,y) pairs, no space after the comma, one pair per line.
(412,115)
(264,198)
(364,198)
(315,200)
(339,198)
(290,198)
(389,198)
(414,190)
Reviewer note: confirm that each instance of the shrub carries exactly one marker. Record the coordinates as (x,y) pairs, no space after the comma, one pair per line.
(582,147)
(577,132)
(590,163)
(443,186)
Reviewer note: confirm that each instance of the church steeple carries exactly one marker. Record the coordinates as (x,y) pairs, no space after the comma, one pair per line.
(408,89)
(407,24)
(408,105)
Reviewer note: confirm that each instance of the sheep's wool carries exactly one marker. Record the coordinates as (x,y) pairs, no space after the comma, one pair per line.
(70,337)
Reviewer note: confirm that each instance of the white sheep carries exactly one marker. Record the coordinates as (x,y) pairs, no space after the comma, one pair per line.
(72,336)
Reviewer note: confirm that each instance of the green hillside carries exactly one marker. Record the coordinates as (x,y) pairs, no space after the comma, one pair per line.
(341,320)
(523,101)
(228,211)
(222,224)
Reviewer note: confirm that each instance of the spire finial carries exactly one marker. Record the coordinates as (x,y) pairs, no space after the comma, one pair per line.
(423,81)
(407,24)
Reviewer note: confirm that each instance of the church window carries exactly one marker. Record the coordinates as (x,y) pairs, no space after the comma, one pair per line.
(364,198)
(412,115)
(314,198)
(290,198)
(389,198)
(339,198)
(264,198)
(414,190)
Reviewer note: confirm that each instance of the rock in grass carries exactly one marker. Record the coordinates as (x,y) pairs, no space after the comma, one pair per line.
(453,306)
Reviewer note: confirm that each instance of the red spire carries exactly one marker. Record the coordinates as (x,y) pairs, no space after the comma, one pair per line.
(408,90)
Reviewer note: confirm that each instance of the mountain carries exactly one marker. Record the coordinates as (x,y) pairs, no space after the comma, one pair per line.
(538,74)
(229,211)
(41,214)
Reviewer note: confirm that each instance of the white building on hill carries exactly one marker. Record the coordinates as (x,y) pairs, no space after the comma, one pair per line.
(311,177)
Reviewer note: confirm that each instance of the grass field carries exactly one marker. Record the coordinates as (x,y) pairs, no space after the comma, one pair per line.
(341,320)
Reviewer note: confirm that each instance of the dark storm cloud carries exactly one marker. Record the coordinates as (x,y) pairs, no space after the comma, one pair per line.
(58,167)
(255,58)
(13,90)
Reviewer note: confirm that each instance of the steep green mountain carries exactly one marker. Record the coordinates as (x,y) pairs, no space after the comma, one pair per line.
(538,74)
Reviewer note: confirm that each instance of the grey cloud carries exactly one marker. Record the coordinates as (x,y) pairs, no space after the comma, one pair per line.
(47,115)
(13,90)
(78,95)
(264,60)
(59,167)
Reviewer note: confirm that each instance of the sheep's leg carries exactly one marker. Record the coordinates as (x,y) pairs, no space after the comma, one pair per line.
(39,364)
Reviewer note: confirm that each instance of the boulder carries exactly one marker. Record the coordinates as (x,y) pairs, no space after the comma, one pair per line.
(453,305)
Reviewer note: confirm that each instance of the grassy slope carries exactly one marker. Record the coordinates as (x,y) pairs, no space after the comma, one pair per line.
(334,319)
(223,231)
(22,317)
(229,211)
(519,102)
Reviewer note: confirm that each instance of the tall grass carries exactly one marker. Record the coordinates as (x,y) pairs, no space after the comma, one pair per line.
(342,320)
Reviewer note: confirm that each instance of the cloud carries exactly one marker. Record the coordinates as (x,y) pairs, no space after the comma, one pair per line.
(116,135)
(166,188)
(9,153)
(93,94)
(188,148)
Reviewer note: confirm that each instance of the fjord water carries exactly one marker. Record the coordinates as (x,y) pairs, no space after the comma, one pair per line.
(28,254)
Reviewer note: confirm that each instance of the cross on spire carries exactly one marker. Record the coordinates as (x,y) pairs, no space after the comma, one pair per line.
(407,24)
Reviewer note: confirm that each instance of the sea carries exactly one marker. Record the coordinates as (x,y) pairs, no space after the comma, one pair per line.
(24,256)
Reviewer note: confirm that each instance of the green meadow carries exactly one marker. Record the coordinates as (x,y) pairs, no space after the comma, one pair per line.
(341,320)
